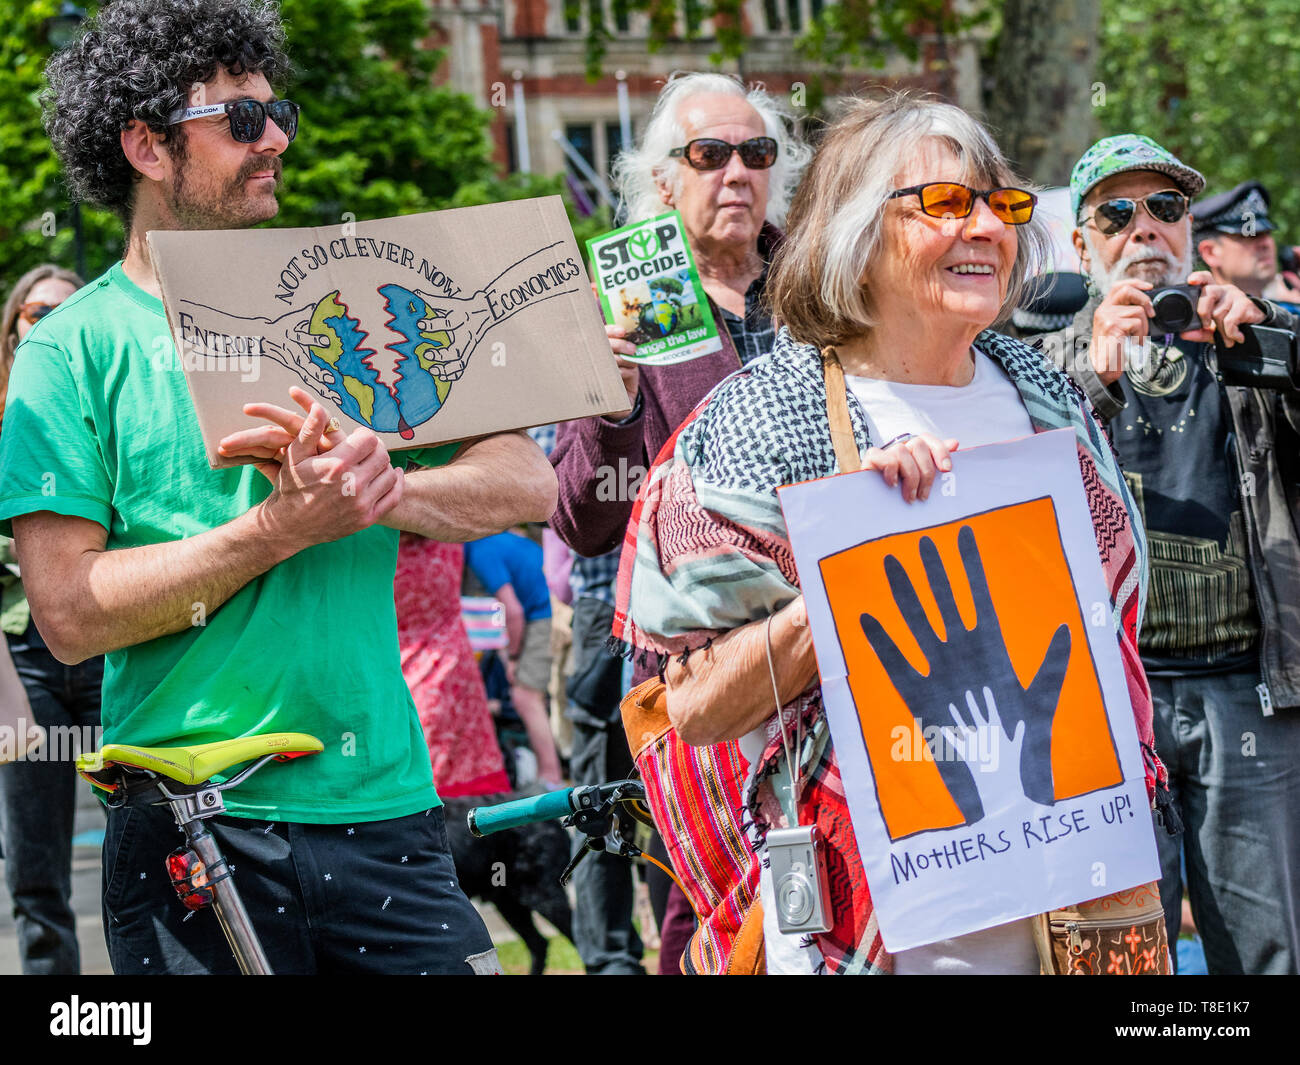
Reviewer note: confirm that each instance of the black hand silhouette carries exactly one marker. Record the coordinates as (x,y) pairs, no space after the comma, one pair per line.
(967,660)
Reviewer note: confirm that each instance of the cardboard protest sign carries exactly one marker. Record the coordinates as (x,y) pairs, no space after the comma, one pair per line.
(974,689)
(426,329)
(648,284)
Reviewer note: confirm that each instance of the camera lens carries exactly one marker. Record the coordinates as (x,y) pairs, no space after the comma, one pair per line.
(1175,312)
(795,897)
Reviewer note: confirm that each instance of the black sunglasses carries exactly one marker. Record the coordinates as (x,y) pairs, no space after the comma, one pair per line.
(248,117)
(709,153)
(1111,217)
(950,199)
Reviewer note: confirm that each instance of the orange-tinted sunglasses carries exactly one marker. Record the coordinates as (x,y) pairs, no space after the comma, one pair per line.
(948,199)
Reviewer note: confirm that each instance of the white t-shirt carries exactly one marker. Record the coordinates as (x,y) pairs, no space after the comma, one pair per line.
(986,411)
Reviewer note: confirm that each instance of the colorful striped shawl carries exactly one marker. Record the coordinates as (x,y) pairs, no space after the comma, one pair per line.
(695,794)
(707,551)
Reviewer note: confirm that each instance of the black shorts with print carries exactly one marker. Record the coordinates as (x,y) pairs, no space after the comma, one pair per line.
(371,897)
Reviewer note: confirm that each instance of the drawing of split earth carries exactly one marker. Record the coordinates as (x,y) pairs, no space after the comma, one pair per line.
(343,350)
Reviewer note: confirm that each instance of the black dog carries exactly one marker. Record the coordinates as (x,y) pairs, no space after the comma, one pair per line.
(517,870)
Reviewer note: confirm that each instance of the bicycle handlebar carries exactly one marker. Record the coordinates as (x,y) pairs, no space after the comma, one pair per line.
(484,820)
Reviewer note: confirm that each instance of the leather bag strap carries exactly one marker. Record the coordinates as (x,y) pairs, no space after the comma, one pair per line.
(837,411)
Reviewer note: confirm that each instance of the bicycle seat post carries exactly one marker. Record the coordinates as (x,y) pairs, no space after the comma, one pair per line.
(190,810)
(182,779)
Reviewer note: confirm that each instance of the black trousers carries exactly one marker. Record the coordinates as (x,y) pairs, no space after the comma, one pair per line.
(373,897)
(603,932)
(38,803)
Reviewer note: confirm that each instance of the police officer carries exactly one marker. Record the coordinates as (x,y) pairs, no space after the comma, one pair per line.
(1234,238)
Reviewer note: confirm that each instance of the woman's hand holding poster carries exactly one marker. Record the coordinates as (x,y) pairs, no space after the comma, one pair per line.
(974,690)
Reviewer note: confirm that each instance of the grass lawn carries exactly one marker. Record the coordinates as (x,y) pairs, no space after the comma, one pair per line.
(561,958)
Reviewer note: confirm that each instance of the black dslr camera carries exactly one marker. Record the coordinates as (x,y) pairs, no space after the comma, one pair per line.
(1267,358)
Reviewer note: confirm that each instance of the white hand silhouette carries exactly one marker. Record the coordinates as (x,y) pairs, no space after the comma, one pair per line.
(992,757)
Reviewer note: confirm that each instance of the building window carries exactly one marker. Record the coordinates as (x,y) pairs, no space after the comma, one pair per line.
(772,16)
(613,145)
(692,17)
(581,15)
(795,11)
(582,138)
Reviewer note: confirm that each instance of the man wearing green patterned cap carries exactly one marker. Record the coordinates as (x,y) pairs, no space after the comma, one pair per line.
(1210,468)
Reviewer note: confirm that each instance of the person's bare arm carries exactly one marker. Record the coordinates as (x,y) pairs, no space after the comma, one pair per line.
(726,691)
(515,621)
(88,600)
(492,483)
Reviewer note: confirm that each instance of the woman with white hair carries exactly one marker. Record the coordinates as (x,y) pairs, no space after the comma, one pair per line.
(908,239)
(725,157)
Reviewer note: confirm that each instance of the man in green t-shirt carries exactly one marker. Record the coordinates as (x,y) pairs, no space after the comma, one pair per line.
(237,601)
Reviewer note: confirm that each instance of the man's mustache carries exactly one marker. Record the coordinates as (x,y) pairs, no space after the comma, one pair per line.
(258,166)
(1130,261)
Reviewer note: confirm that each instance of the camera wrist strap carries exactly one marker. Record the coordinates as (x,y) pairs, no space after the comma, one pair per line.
(794,767)
(849,460)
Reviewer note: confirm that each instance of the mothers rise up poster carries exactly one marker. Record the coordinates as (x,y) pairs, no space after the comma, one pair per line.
(974,689)
(426,329)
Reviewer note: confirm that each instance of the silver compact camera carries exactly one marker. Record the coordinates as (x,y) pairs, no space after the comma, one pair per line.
(803,891)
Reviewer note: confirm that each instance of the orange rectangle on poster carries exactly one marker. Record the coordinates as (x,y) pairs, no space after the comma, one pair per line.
(1033,593)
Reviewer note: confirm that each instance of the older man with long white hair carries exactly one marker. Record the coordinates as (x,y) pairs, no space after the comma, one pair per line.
(725,157)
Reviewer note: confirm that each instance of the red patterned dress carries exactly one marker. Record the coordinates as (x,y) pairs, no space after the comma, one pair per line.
(441,672)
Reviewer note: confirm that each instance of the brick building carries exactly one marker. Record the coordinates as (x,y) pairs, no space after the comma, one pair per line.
(528,56)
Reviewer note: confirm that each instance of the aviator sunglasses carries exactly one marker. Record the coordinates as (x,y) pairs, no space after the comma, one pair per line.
(1111,217)
(709,153)
(948,199)
(247,117)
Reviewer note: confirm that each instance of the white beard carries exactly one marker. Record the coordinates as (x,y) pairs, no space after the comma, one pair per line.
(1175,273)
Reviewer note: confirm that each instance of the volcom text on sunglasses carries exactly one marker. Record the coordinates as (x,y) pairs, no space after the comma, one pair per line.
(710,153)
(950,199)
(247,117)
(1113,216)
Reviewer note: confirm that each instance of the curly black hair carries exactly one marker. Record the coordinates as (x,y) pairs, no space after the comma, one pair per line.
(136,59)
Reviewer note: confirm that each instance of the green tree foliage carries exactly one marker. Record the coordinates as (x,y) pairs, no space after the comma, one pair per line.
(843,34)
(35,214)
(527,186)
(377,138)
(1210,81)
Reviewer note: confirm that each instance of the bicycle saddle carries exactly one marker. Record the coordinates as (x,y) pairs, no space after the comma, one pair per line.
(194,764)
